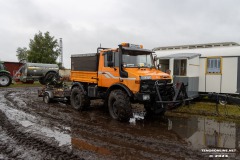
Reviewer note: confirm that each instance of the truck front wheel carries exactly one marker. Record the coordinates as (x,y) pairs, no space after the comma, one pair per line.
(5,80)
(119,105)
(78,100)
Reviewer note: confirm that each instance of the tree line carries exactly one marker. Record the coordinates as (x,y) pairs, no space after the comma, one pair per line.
(43,48)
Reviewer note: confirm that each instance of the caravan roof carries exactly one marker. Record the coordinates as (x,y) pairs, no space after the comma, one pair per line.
(222,50)
(182,55)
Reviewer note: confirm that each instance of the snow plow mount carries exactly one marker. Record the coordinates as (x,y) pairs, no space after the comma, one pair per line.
(176,95)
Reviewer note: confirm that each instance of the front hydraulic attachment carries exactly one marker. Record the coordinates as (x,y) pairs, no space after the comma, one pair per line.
(171,96)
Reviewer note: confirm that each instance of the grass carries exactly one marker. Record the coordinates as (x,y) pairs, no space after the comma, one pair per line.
(209,109)
(35,84)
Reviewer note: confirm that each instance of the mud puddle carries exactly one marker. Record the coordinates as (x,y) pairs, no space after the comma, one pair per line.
(92,134)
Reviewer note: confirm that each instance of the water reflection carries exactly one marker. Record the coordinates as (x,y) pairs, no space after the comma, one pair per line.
(205,132)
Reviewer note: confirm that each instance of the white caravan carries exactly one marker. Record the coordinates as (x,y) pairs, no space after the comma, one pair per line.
(206,68)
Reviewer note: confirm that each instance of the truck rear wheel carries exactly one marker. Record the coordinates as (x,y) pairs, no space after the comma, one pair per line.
(78,100)
(119,105)
(5,79)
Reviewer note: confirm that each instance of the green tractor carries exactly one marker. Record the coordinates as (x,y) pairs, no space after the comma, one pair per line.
(5,77)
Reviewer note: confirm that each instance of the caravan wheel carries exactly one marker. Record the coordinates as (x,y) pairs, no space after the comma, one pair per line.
(222,100)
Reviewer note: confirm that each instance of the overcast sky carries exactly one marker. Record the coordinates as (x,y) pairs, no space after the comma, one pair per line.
(84,24)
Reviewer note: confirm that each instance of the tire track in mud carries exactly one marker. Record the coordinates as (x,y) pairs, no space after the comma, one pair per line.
(26,139)
(8,152)
(146,145)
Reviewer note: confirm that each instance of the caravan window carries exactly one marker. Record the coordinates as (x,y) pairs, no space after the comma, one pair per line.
(180,67)
(214,65)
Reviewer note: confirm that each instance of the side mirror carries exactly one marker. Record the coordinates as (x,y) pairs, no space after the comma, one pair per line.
(155,58)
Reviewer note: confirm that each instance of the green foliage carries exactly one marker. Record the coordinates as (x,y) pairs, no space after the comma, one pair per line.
(43,48)
(22,53)
(208,109)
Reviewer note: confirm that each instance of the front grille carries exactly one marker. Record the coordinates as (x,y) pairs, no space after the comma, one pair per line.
(149,85)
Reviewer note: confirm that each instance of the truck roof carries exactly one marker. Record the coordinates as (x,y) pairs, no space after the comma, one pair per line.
(137,49)
(84,55)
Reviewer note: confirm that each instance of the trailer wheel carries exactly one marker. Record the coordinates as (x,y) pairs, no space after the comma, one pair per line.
(78,100)
(119,105)
(46,98)
(5,79)
(222,100)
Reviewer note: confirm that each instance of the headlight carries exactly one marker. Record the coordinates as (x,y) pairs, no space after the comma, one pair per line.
(146,97)
(145,77)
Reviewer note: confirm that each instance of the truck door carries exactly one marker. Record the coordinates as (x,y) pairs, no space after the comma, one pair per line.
(109,69)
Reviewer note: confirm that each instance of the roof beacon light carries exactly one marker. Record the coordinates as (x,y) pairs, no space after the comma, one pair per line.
(132,45)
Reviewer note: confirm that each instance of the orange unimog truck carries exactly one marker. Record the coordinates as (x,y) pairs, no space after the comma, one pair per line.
(122,76)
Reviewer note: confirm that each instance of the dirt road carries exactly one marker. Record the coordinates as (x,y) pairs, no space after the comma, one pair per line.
(31,129)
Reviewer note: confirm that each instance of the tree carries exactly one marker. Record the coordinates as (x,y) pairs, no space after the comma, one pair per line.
(43,49)
(22,53)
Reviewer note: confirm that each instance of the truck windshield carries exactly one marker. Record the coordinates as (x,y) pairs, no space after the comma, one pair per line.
(137,59)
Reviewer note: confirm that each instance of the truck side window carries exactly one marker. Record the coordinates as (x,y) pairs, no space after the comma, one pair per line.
(105,60)
(116,59)
(109,59)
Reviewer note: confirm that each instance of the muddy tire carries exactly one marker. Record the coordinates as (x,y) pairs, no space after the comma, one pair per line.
(50,76)
(119,105)
(46,98)
(5,79)
(78,100)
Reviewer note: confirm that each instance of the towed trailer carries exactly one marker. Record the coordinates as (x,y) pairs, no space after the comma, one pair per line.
(223,99)
(30,72)
(55,90)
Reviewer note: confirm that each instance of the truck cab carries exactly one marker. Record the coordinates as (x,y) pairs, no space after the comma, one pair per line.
(131,66)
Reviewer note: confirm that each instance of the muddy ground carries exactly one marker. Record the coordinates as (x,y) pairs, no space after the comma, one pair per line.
(31,129)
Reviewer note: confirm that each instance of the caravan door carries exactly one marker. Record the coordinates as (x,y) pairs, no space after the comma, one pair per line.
(213,74)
